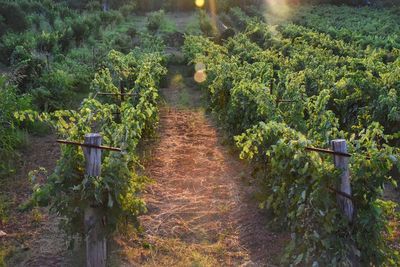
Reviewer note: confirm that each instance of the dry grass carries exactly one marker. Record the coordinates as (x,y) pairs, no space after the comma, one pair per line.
(200,211)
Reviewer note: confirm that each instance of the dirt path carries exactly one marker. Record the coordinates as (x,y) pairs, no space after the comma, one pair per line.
(201,212)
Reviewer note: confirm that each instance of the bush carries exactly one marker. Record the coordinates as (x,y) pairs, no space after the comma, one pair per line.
(55,91)
(155,20)
(205,24)
(81,63)
(10,41)
(128,9)
(122,43)
(46,42)
(27,68)
(79,29)
(193,26)
(64,40)
(131,31)
(110,17)
(93,6)
(158,21)
(10,136)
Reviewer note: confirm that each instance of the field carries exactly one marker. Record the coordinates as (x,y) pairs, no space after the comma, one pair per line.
(199,133)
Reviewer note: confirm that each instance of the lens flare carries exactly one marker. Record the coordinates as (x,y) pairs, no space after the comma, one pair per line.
(199,3)
(200,66)
(278,10)
(200,76)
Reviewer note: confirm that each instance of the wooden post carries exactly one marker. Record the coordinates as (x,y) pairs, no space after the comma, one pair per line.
(96,244)
(346,205)
(342,163)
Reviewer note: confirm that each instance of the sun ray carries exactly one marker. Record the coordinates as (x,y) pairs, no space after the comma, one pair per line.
(278,9)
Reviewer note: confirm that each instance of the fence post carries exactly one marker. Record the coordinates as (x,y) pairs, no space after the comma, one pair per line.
(345,204)
(96,244)
(342,163)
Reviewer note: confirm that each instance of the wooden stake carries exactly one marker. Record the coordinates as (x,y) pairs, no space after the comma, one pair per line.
(96,244)
(342,162)
(88,145)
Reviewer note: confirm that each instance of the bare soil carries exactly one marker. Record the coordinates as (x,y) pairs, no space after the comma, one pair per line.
(201,206)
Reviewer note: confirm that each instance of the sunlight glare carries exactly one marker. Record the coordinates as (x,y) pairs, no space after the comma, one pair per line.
(200,76)
(277,10)
(199,3)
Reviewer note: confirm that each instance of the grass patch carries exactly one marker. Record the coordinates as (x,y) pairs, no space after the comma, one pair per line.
(5,205)
(174,252)
(184,98)
(193,26)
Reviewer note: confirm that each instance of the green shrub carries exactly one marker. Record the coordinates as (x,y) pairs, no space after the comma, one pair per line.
(131,31)
(193,26)
(205,24)
(122,43)
(110,17)
(55,90)
(79,29)
(93,6)
(81,62)
(10,41)
(64,40)
(128,9)
(155,20)
(10,136)
(35,20)
(46,41)
(27,68)
(226,19)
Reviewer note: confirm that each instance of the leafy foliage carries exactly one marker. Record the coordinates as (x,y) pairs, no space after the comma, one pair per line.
(279,93)
(69,190)
(11,136)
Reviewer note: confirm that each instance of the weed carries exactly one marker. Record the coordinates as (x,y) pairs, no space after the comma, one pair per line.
(37,216)
(4,209)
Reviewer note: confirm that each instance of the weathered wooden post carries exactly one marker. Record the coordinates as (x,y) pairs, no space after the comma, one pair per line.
(342,163)
(96,244)
(345,203)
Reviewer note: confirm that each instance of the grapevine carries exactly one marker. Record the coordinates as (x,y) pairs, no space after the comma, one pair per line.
(68,191)
(335,90)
